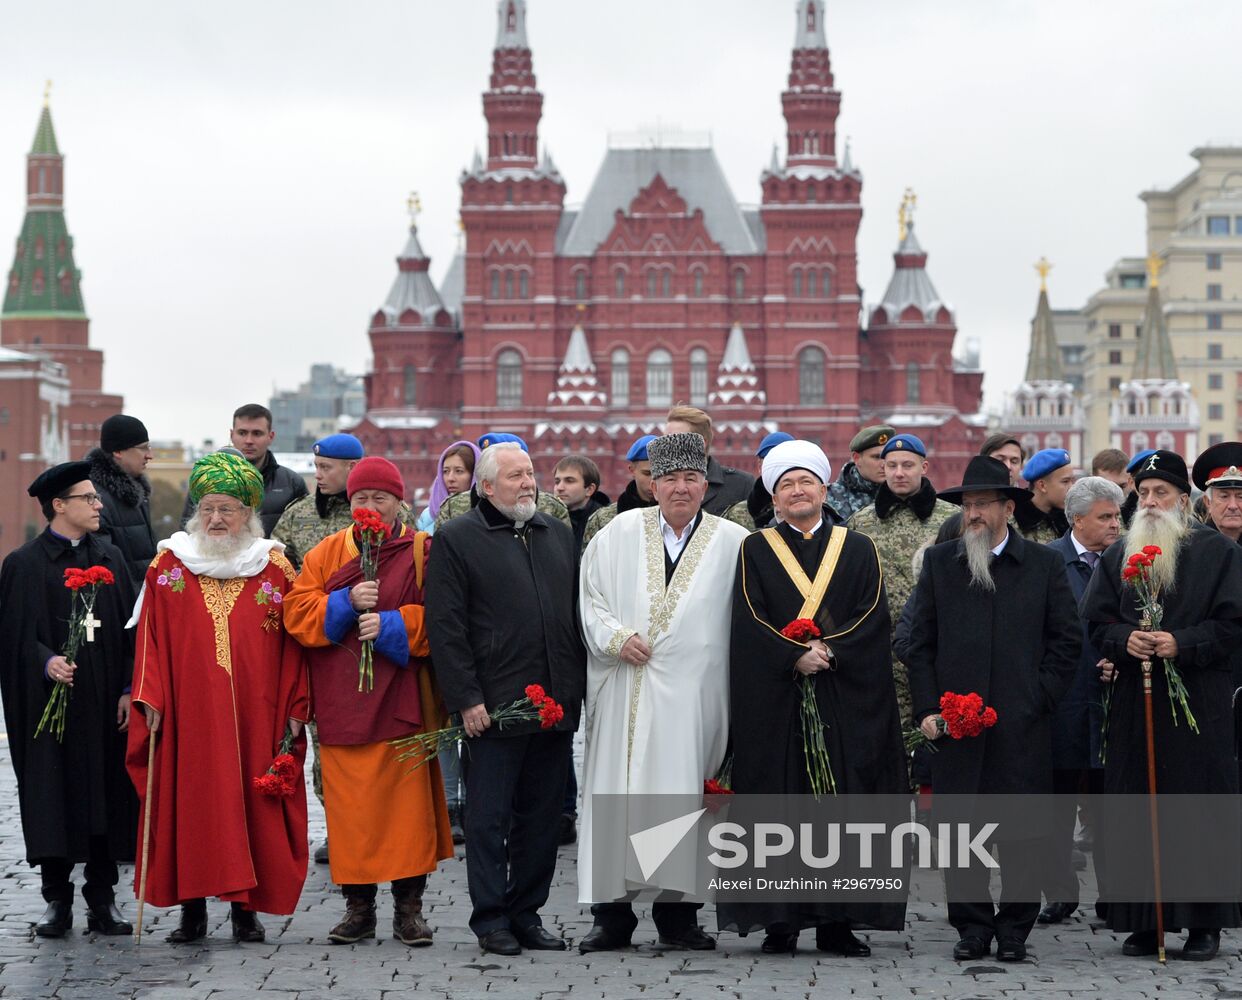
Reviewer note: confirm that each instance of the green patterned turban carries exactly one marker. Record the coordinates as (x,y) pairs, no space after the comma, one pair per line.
(228,474)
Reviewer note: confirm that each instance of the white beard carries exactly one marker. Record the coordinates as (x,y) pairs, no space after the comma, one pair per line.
(1166,529)
(224,547)
(520,512)
(978,543)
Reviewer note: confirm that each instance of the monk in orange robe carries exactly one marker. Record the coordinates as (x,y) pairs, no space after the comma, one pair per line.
(217,684)
(386,823)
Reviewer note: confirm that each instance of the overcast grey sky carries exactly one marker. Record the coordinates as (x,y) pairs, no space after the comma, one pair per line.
(237,172)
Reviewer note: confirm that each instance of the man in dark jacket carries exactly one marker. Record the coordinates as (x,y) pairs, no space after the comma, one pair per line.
(637,492)
(252,435)
(117,472)
(501,616)
(576,483)
(993,616)
(725,486)
(863,474)
(1093,507)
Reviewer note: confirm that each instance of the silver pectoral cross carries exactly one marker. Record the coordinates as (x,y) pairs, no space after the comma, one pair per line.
(91,624)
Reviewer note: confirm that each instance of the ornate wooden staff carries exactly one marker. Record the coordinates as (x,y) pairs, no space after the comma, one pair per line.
(1151,798)
(146,835)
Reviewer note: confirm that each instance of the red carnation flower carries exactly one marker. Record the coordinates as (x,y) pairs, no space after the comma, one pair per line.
(536,694)
(1152,550)
(801,630)
(713,787)
(550,713)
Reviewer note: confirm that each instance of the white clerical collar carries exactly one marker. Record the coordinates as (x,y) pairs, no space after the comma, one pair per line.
(1004,541)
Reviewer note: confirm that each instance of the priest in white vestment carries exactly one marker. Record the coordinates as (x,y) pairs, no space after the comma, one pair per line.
(656,602)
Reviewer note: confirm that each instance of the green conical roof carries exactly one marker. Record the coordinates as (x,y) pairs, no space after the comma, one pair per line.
(45,136)
(1043,363)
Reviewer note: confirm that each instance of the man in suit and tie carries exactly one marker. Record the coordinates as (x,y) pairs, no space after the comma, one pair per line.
(1093,509)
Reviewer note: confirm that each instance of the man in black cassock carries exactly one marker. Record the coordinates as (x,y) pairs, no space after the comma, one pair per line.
(852,668)
(993,616)
(77,803)
(1199,577)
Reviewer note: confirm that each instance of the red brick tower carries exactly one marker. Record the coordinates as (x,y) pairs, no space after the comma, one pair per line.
(43,312)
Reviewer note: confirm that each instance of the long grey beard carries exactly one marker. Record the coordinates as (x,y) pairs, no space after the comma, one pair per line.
(519,513)
(978,543)
(226,546)
(1166,529)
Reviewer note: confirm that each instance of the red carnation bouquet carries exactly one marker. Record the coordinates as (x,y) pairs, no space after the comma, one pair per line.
(722,783)
(961,716)
(84,585)
(535,706)
(814,749)
(1137,573)
(281,779)
(371,532)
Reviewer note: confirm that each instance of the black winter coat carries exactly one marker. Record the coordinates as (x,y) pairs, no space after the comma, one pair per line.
(125,520)
(725,487)
(1016,647)
(1079,719)
(502,614)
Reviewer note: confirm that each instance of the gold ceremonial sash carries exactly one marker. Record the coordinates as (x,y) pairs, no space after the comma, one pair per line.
(812,592)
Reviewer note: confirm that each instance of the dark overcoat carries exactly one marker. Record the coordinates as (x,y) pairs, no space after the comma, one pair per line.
(1078,719)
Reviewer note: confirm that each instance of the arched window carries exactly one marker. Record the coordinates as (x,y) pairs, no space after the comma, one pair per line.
(811,193)
(495,284)
(652,278)
(659,378)
(739,283)
(409,394)
(811,376)
(508,284)
(620,377)
(912,382)
(580,285)
(810,17)
(666,283)
(1165,441)
(698,377)
(825,280)
(509,380)
(620,283)
(1138,441)
(698,284)
(509,194)
(797,282)
(523,285)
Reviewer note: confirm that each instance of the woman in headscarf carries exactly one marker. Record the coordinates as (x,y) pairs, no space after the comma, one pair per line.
(455,474)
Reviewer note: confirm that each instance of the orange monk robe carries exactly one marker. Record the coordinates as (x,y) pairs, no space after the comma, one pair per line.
(212,658)
(385,822)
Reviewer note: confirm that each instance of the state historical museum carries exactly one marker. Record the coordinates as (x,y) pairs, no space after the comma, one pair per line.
(577,329)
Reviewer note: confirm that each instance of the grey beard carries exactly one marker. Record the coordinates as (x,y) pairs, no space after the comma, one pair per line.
(519,513)
(227,546)
(1166,529)
(978,544)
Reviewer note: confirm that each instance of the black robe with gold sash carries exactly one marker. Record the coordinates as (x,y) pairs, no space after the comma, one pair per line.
(857,701)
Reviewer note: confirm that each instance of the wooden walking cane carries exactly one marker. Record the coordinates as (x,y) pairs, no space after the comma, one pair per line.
(1155,820)
(146,836)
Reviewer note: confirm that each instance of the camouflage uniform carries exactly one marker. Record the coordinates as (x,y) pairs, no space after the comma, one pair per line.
(739,513)
(1036,526)
(301,528)
(898,534)
(546,503)
(851,492)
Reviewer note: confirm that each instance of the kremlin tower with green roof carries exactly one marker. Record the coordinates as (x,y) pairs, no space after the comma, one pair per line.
(43,312)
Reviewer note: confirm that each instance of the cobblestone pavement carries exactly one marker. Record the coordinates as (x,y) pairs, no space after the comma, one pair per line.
(1080,958)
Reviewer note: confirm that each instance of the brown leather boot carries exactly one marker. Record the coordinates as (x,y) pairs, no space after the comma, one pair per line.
(408,925)
(358,922)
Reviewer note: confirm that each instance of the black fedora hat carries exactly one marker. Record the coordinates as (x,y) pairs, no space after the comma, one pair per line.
(984,473)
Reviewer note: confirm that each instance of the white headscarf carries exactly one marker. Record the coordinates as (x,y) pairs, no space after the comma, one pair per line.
(795,455)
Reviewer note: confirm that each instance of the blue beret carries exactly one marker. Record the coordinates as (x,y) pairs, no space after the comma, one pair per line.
(339,446)
(638,450)
(1043,462)
(905,442)
(500,437)
(771,441)
(1137,459)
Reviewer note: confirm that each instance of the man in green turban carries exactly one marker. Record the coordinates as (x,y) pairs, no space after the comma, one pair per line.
(211,614)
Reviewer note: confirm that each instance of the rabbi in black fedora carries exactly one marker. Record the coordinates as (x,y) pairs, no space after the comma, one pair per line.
(992,615)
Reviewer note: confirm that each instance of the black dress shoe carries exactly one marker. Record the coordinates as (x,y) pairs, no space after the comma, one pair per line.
(601,939)
(321,853)
(971,947)
(501,942)
(56,919)
(246,926)
(840,940)
(1010,949)
(779,944)
(537,938)
(107,920)
(569,829)
(193,923)
(1202,944)
(1139,943)
(1054,913)
(689,939)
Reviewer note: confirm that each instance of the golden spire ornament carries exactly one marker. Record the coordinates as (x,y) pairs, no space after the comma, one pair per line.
(1043,266)
(905,214)
(1155,264)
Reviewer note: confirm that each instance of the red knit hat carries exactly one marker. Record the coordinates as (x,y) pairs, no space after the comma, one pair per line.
(375,473)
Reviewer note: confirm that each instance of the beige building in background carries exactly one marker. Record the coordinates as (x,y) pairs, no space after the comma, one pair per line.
(1195,229)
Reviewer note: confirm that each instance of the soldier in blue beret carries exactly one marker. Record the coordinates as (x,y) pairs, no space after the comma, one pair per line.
(637,492)
(1050,474)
